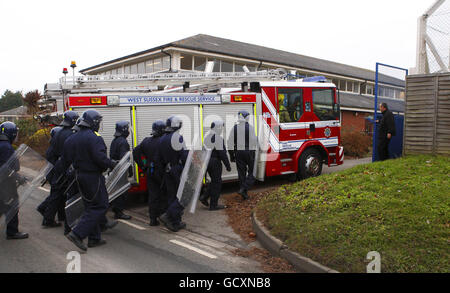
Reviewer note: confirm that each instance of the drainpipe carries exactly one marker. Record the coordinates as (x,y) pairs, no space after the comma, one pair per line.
(259,65)
(170,56)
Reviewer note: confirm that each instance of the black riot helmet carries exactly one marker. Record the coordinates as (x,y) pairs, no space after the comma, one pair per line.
(54,131)
(8,130)
(158,128)
(122,128)
(76,127)
(91,119)
(243,116)
(173,123)
(69,118)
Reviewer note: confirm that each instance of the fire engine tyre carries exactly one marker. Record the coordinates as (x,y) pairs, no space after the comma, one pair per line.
(309,164)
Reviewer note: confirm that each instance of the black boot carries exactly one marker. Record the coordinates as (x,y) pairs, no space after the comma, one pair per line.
(76,240)
(50,223)
(204,199)
(18,235)
(121,215)
(154,222)
(217,207)
(242,192)
(95,243)
(168,223)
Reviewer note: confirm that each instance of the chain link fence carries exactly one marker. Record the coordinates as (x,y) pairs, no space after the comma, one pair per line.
(438,31)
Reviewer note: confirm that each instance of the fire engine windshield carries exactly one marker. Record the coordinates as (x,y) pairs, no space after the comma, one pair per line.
(323,104)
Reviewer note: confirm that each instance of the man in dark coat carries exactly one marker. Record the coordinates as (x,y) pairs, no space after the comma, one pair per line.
(385,132)
(216,143)
(8,133)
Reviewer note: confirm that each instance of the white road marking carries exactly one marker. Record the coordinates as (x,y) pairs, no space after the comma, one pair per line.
(132,225)
(207,254)
(44,189)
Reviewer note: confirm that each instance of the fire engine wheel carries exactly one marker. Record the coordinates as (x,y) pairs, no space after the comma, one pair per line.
(309,164)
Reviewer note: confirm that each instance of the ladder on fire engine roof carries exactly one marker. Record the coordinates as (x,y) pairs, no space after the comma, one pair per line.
(166,81)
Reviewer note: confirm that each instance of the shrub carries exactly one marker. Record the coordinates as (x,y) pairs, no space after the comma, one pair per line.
(27,127)
(39,141)
(356,144)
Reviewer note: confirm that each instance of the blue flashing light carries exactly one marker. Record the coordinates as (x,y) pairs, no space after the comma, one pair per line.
(315,79)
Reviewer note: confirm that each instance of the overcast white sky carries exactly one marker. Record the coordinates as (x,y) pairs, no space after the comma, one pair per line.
(39,38)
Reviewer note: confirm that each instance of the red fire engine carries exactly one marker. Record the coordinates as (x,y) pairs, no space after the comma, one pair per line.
(297,121)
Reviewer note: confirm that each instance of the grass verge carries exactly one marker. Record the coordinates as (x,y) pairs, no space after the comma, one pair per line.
(399,208)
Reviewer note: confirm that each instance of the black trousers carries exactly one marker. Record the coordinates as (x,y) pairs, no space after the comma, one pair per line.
(245,163)
(383,149)
(13,225)
(157,201)
(93,187)
(171,183)
(215,186)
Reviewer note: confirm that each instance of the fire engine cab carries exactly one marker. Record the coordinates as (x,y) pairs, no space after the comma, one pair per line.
(297,122)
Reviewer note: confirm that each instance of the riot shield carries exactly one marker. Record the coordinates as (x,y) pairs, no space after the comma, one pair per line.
(116,183)
(191,179)
(24,171)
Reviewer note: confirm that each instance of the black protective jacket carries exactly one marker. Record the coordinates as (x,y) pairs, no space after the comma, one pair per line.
(387,125)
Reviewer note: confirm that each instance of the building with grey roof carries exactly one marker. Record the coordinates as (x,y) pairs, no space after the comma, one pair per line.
(356,85)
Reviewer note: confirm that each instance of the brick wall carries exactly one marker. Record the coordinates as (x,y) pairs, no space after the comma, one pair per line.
(354,120)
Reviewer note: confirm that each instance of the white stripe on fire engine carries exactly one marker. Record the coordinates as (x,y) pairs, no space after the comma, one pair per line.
(305,125)
(269,105)
(291,145)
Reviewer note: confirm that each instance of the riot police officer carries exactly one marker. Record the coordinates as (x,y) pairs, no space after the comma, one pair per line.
(8,133)
(64,165)
(215,142)
(148,148)
(90,161)
(55,201)
(242,144)
(173,156)
(119,147)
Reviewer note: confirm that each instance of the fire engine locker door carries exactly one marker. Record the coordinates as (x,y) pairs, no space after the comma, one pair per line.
(228,113)
(146,115)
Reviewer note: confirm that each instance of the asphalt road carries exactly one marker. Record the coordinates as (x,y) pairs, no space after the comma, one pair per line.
(206,245)
(132,246)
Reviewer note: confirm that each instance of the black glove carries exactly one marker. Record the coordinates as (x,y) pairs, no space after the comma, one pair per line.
(232,156)
(130,172)
(114,164)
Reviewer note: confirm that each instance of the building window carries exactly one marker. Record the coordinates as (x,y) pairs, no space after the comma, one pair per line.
(166,63)
(157,64)
(342,85)
(119,70)
(290,104)
(369,89)
(239,67)
(133,69)
(149,66)
(199,63)
(356,87)
(226,66)
(349,86)
(126,69)
(141,68)
(186,62)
